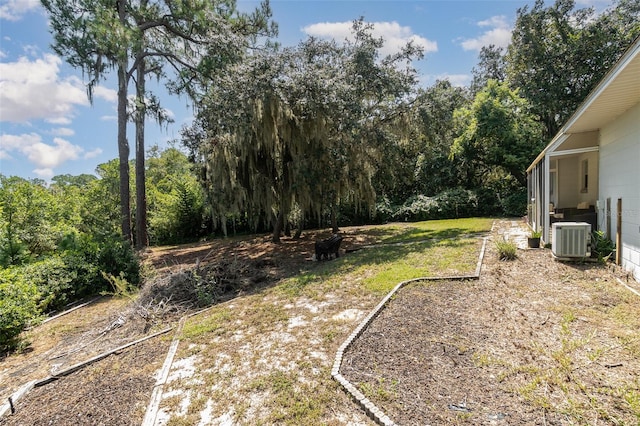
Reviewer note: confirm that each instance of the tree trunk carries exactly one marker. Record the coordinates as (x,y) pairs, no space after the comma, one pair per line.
(141,193)
(300,220)
(298,233)
(277,227)
(123,152)
(334,218)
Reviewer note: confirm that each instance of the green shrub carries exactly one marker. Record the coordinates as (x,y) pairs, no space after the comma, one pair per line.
(384,210)
(515,204)
(116,257)
(506,250)
(120,286)
(18,306)
(601,246)
(53,281)
(416,208)
(451,204)
(488,203)
(79,271)
(457,203)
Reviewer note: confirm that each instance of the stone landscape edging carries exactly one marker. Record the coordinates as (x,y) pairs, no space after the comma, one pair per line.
(374,412)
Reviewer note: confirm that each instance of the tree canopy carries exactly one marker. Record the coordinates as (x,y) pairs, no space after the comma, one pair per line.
(300,127)
(559,53)
(496,133)
(192,38)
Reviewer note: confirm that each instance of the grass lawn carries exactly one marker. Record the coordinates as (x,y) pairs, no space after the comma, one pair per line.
(266,358)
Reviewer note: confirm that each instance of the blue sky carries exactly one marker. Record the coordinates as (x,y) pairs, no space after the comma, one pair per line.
(48,127)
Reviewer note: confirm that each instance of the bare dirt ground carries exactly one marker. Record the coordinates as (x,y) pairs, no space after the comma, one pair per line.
(532,342)
(112,391)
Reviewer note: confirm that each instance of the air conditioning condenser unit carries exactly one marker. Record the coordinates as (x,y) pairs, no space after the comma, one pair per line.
(570,240)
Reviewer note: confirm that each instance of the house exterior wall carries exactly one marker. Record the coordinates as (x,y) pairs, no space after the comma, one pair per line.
(619,177)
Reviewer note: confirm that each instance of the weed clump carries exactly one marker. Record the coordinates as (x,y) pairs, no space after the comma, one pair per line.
(506,250)
(601,246)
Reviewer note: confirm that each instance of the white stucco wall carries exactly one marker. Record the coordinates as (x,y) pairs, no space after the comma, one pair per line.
(619,177)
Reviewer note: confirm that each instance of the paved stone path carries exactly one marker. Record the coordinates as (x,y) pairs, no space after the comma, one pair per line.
(517,232)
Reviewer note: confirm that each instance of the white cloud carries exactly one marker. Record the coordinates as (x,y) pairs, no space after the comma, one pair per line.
(63,131)
(92,154)
(60,121)
(33,90)
(13,142)
(31,49)
(458,80)
(13,10)
(45,173)
(498,21)
(44,156)
(109,118)
(52,155)
(395,35)
(498,34)
(108,95)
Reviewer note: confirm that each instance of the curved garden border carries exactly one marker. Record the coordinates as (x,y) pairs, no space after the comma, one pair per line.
(369,407)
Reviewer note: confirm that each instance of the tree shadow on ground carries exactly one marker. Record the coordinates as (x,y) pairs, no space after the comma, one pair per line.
(410,232)
(227,268)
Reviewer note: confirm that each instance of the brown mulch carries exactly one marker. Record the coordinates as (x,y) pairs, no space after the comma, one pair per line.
(76,337)
(114,391)
(471,352)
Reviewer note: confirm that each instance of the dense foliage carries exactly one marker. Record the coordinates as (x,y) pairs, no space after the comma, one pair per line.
(559,53)
(61,242)
(323,133)
(179,41)
(55,246)
(17,306)
(299,128)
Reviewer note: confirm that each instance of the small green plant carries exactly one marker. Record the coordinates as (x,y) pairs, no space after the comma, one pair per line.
(506,250)
(536,234)
(381,390)
(121,287)
(601,246)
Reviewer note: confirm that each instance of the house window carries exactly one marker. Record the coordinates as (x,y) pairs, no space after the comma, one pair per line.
(585,176)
